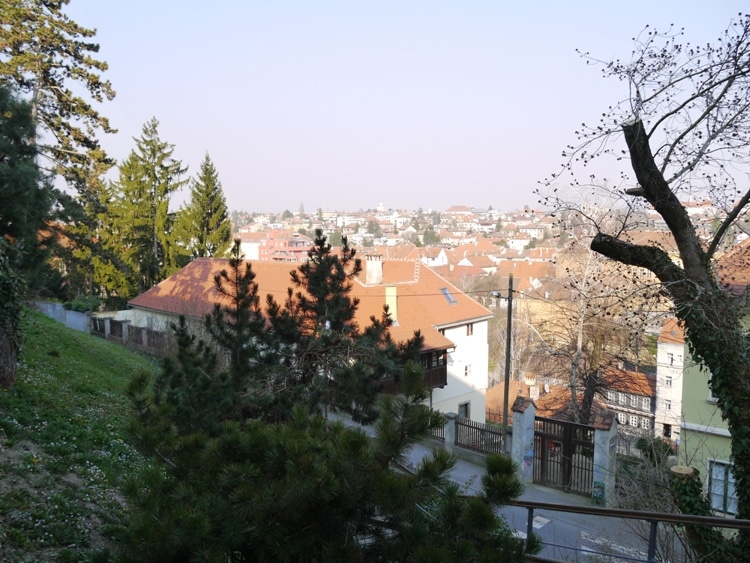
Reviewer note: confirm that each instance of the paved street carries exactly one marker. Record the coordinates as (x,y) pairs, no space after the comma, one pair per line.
(569,537)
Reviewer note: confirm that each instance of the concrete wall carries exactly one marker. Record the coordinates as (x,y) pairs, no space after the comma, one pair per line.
(704,434)
(71,319)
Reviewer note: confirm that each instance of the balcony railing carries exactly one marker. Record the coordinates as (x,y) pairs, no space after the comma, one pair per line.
(652,518)
(433,378)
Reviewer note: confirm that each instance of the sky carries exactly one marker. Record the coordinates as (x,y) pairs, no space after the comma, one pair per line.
(345,105)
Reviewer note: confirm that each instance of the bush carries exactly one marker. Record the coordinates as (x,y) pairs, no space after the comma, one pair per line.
(83,304)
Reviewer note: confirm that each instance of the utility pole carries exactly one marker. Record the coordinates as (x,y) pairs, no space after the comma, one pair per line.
(508,335)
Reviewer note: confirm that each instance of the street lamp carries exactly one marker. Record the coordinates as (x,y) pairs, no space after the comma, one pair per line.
(506,384)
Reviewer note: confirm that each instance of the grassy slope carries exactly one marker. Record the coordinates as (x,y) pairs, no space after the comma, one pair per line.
(62,444)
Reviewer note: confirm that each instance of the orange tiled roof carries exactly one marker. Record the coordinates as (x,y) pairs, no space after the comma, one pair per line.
(557,404)
(672,331)
(422,303)
(627,381)
(733,269)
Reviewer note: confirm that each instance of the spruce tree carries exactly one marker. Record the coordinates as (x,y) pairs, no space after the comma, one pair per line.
(25,194)
(203,227)
(25,207)
(140,233)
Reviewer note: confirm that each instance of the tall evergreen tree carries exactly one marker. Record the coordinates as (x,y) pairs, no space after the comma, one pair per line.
(238,327)
(51,61)
(203,227)
(25,206)
(12,288)
(141,226)
(49,57)
(25,195)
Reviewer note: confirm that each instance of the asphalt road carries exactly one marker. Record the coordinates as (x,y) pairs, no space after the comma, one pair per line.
(567,536)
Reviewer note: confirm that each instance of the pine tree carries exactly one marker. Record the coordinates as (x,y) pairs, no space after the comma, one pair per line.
(238,327)
(309,490)
(12,290)
(140,233)
(338,364)
(25,195)
(192,385)
(25,205)
(49,57)
(203,226)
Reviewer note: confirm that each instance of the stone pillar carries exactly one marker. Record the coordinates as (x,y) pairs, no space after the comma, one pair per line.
(450,431)
(605,459)
(522,450)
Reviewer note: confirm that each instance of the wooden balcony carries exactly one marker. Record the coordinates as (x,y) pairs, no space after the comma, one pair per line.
(433,378)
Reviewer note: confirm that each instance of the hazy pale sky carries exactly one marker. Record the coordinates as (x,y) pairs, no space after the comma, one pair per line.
(344,105)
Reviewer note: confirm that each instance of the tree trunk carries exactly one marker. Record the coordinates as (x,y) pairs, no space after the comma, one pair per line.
(712,321)
(8,358)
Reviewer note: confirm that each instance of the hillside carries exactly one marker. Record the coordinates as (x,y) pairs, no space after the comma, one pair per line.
(63,450)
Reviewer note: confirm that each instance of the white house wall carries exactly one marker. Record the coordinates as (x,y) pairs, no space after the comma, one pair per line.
(470,351)
(669,364)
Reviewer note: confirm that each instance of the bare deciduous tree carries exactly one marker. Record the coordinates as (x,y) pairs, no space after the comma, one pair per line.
(686,131)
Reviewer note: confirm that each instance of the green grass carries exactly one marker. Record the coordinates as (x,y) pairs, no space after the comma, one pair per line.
(63,450)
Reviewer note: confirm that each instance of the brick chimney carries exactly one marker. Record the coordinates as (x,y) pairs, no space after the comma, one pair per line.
(374,269)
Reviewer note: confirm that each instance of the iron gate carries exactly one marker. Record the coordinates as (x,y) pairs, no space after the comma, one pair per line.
(564,455)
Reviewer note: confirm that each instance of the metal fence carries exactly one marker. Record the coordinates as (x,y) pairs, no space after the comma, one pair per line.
(439,433)
(654,521)
(485,438)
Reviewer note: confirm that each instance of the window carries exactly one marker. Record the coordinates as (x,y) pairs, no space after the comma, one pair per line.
(645,403)
(670,358)
(621,398)
(667,431)
(622,418)
(667,405)
(711,397)
(721,487)
(634,400)
(611,396)
(467,370)
(645,423)
(448,295)
(470,329)
(633,420)
(464,409)
(668,381)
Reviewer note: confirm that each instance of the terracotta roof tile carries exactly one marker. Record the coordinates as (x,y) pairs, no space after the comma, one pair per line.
(672,331)
(627,381)
(733,269)
(425,301)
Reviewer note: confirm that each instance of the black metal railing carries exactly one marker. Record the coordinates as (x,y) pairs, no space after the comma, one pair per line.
(485,438)
(652,518)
